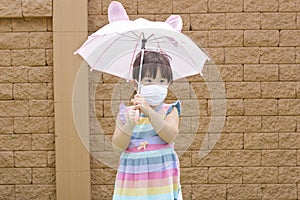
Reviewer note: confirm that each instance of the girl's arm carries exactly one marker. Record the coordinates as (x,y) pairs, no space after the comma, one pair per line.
(123,132)
(168,127)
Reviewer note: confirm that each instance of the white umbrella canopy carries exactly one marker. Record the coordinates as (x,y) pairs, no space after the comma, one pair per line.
(113,48)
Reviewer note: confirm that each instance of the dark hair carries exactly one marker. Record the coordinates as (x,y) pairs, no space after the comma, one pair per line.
(153,60)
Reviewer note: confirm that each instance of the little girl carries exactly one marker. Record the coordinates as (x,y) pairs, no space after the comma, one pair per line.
(148,166)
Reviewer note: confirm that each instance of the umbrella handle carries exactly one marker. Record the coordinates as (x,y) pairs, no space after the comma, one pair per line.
(137,116)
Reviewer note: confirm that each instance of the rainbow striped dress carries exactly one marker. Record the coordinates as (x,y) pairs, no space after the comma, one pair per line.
(149,168)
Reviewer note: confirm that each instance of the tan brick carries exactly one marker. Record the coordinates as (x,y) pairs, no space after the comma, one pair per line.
(43,142)
(131,7)
(6,125)
(49,57)
(51,159)
(222,38)
(261,37)
(41,108)
(238,124)
(260,5)
(209,191)
(207,21)
(192,6)
(28,192)
(289,174)
(10,8)
(235,107)
(15,142)
(241,90)
(217,55)
(41,40)
(13,108)
(242,20)
(289,141)
(278,89)
(30,158)
(241,55)
(277,55)
(13,74)
(230,141)
(261,72)
(289,106)
(5,25)
(280,124)
(156,6)
(97,143)
(279,157)
(15,176)
(185,158)
(95,7)
(261,140)
(217,107)
(289,5)
(6,159)
(278,21)
(31,125)
(5,58)
(225,6)
(50,91)
(186,191)
(28,91)
(7,192)
(97,176)
(243,191)
(214,158)
(289,72)
(243,158)
(105,92)
(39,8)
(289,38)
(199,37)
(29,24)
(102,191)
(194,175)
(260,106)
(279,191)
(51,124)
(6,91)
(200,90)
(226,73)
(225,175)
(298,157)
(43,176)
(260,175)
(31,57)
(14,40)
(107,125)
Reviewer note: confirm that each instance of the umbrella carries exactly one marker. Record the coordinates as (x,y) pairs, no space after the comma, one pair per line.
(113,48)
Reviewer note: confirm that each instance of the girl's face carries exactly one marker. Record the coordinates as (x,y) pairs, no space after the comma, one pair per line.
(158,80)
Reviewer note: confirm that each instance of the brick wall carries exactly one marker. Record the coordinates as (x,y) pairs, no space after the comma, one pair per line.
(27,156)
(256,47)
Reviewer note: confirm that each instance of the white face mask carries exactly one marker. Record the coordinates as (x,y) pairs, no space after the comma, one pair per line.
(154,94)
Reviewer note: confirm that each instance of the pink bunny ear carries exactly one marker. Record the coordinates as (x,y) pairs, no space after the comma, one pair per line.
(116,12)
(175,21)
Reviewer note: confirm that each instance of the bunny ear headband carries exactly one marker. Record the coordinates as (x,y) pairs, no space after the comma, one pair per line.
(116,12)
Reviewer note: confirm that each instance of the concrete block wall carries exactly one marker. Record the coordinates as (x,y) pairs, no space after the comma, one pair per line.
(255,45)
(27,153)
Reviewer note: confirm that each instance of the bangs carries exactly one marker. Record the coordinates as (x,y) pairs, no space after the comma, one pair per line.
(150,70)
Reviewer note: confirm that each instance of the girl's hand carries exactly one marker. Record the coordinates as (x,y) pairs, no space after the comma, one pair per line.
(141,104)
(132,116)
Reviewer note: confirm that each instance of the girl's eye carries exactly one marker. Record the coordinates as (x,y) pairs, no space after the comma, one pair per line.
(162,81)
(148,80)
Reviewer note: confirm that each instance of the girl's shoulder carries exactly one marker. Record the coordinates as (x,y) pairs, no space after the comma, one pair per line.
(168,107)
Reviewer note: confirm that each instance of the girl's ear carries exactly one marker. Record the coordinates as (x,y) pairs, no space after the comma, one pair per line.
(134,84)
(116,12)
(175,21)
